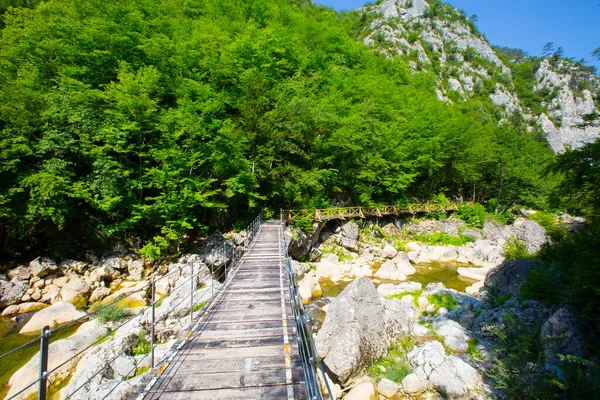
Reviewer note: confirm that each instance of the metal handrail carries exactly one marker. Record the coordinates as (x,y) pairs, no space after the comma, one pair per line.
(232,257)
(326,214)
(310,360)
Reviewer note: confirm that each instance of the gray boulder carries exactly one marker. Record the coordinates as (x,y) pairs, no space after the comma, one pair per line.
(350,230)
(11,292)
(532,234)
(298,243)
(509,277)
(135,269)
(455,336)
(20,273)
(450,376)
(353,334)
(75,288)
(399,318)
(561,335)
(57,314)
(42,266)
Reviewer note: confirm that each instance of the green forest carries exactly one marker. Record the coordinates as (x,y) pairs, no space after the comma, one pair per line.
(153,122)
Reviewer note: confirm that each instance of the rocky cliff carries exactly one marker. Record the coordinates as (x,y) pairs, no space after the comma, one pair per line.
(440,40)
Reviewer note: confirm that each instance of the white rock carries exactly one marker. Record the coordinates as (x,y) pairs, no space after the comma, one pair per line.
(389,289)
(387,388)
(363,391)
(412,384)
(389,251)
(389,270)
(309,288)
(23,308)
(57,314)
(124,366)
(75,288)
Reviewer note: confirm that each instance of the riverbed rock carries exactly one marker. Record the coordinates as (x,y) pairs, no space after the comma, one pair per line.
(455,336)
(362,391)
(21,273)
(74,289)
(42,266)
(389,251)
(350,230)
(59,352)
(387,388)
(451,376)
(300,269)
(12,292)
(135,269)
(124,366)
(532,233)
(298,243)
(99,293)
(390,289)
(412,384)
(561,335)
(104,274)
(57,314)
(353,334)
(509,277)
(52,294)
(309,288)
(23,308)
(391,271)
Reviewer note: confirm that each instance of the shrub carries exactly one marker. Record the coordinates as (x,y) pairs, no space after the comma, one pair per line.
(304,224)
(473,216)
(515,249)
(443,239)
(549,222)
(143,345)
(440,199)
(111,313)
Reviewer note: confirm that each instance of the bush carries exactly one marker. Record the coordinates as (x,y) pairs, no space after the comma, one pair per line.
(515,249)
(111,313)
(143,345)
(442,239)
(304,224)
(473,216)
(549,222)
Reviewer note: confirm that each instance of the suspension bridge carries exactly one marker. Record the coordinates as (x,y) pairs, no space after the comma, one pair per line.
(249,340)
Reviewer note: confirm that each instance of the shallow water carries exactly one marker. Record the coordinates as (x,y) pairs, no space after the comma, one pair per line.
(441,272)
(10,339)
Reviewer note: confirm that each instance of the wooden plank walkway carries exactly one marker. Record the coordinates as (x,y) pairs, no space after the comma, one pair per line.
(245,345)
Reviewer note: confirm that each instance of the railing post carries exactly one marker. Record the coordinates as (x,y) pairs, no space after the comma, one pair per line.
(192,294)
(212,281)
(153,322)
(44,342)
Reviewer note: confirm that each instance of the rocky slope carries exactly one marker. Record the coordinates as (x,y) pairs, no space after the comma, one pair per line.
(438,39)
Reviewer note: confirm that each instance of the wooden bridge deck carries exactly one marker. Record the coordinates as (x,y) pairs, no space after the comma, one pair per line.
(245,347)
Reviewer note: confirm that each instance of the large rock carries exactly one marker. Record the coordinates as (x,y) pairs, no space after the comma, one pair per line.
(353,334)
(12,292)
(350,244)
(363,391)
(412,384)
(561,335)
(23,308)
(300,269)
(387,388)
(389,251)
(350,230)
(397,269)
(74,289)
(59,352)
(399,318)
(135,269)
(309,288)
(451,376)
(532,234)
(42,266)
(509,277)
(298,243)
(20,273)
(455,336)
(57,314)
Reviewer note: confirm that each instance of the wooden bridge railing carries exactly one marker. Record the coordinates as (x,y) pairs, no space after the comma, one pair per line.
(326,214)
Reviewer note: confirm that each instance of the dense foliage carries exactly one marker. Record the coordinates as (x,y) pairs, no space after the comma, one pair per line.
(152,121)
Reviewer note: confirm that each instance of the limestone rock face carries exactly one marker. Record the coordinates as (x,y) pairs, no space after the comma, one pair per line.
(12,292)
(570,107)
(510,276)
(353,334)
(451,376)
(42,266)
(57,314)
(561,335)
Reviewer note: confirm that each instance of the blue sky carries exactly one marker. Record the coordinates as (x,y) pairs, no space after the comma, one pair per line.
(529,24)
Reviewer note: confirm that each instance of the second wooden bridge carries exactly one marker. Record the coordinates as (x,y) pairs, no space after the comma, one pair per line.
(327,214)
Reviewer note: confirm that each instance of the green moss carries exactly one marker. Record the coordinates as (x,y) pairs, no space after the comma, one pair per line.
(474,350)
(199,306)
(394,366)
(440,300)
(142,370)
(415,294)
